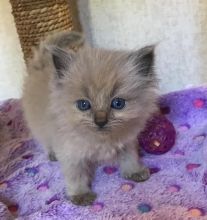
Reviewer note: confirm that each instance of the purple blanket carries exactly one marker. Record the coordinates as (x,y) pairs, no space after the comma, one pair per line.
(31,187)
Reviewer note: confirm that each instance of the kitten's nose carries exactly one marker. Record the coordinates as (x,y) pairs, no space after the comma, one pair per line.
(101,118)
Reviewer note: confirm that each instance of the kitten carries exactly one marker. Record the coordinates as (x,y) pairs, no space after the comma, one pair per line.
(87,106)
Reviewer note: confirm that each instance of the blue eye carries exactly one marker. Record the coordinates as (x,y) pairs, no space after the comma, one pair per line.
(83,105)
(118,103)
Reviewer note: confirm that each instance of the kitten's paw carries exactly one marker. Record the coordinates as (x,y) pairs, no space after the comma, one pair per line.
(52,156)
(84,199)
(140,176)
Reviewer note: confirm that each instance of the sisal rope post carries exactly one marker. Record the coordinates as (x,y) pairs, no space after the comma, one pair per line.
(36,19)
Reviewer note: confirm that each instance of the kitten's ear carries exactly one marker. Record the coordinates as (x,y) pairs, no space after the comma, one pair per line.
(143,59)
(61,60)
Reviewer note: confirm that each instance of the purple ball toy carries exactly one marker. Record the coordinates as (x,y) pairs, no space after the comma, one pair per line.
(158,136)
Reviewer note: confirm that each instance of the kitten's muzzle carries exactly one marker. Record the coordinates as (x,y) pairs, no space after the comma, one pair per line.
(100,119)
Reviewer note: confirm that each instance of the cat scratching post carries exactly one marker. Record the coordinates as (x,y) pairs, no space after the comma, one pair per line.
(35,19)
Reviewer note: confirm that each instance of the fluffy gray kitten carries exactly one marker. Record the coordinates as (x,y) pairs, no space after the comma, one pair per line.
(87,106)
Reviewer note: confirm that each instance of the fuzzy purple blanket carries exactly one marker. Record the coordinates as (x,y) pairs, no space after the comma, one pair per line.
(32,188)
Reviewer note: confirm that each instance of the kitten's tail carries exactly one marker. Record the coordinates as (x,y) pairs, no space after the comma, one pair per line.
(64,40)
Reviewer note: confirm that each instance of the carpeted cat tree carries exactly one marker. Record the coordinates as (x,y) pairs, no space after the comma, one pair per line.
(35,19)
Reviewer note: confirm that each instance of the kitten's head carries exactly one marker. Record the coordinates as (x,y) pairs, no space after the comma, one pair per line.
(104,93)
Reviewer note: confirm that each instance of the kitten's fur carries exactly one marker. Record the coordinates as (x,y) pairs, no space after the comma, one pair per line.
(58,77)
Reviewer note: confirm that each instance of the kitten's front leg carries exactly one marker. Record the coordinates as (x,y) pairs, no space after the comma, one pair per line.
(78,176)
(131,167)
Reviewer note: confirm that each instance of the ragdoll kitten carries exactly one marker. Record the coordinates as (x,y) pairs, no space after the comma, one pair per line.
(87,106)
